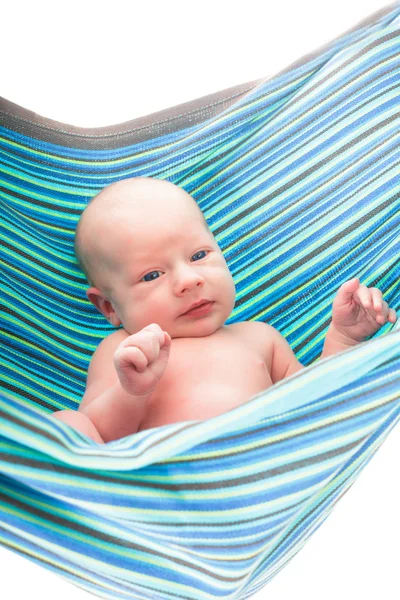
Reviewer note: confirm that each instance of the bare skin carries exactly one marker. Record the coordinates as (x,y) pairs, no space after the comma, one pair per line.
(151,257)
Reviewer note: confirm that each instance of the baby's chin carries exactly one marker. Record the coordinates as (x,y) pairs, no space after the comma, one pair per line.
(202,325)
(198,328)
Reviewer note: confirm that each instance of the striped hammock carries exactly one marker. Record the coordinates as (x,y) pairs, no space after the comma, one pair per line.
(298,177)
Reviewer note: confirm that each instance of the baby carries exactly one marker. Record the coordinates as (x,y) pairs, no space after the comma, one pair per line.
(154,267)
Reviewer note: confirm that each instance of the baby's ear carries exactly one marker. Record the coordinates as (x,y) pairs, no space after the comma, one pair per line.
(103,305)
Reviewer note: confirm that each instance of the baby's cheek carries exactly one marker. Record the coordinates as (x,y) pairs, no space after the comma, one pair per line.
(135,314)
(229,293)
(158,311)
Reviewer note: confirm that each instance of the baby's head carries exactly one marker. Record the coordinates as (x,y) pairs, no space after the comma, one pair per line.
(149,256)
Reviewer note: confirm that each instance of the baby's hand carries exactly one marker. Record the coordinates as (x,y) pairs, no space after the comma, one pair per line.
(141,359)
(359,311)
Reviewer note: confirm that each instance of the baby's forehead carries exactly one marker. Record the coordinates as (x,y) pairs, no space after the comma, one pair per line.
(164,231)
(144,197)
(145,209)
(145,229)
(124,216)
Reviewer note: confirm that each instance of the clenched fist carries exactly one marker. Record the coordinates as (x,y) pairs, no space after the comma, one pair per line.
(141,359)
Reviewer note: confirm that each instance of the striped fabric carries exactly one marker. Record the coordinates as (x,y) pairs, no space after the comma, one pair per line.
(298,177)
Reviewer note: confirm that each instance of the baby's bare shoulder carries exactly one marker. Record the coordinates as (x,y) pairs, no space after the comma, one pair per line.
(257,335)
(277,353)
(108,345)
(254,330)
(101,373)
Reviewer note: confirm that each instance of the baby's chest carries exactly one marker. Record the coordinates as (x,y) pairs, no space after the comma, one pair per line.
(205,378)
(222,360)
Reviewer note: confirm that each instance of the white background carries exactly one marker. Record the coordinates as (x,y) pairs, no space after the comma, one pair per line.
(92,64)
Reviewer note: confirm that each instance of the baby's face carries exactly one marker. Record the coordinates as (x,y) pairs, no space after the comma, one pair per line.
(162,266)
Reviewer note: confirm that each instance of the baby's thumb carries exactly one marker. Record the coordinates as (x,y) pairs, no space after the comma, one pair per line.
(348,288)
(166,347)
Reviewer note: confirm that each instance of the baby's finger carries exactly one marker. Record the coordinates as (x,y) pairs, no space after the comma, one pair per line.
(163,336)
(363,295)
(152,327)
(392,316)
(346,290)
(167,339)
(377,299)
(383,313)
(131,356)
(147,341)
(155,328)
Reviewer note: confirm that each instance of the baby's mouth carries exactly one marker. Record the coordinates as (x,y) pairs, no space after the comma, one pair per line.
(199,309)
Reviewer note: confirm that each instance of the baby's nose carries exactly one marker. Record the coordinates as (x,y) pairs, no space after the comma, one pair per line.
(188,279)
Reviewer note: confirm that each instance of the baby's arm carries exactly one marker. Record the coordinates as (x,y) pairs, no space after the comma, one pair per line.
(279,358)
(357,313)
(121,379)
(284,362)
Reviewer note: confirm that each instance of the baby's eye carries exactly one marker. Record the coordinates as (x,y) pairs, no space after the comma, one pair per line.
(199,255)
(152,275)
